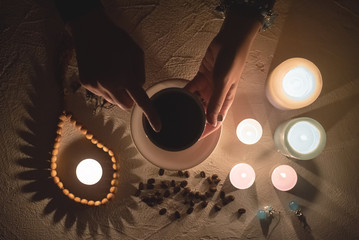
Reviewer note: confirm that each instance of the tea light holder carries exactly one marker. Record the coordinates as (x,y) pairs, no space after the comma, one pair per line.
(293,84)
(300,138)
(89,171)
(284,178)
(242,176)
(249,131)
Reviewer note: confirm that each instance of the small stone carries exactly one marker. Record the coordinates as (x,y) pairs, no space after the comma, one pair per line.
(177,215)
(151,181)
(183,184)
(241,211)
(176,189)
(189,210)
(180,173)
(222,194)
(163,211)
(217,207)
(186,174)
(202,174)
(167,193)
(164,185)
(204,204)
(138,193)
(214,176)
(161,172)
(216,181)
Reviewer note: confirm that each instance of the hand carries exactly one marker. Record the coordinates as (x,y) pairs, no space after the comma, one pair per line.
(217,79)
(111,64)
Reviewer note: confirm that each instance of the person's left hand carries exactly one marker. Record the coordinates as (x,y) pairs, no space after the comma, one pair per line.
(111,64)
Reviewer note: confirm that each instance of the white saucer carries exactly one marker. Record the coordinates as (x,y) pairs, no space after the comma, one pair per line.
(180,160)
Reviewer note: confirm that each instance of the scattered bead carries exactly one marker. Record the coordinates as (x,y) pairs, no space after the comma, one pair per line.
(214,176)
(151,181)
(202,174)
(141,186)
(163,211)
(161,172)
(177,215)
(183,184)
(186,174)
(189,210)
(180,173)
(241,211)
(176,189)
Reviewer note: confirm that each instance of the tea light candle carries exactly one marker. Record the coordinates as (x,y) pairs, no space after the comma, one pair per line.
(89,171)
(301,138)
(284,178)
(242,176)
(249,131)
(293,84)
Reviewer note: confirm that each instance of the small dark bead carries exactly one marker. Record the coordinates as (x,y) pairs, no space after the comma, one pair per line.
(222,194)
(230,198)
(202,174)
(197,195)
(204,204)
(183,183)
(190,210)
(180,173)
(216,181)
(241,211)
(141,186)
(161,172)
(177,214)
(164,185)
(213,189)
(173,183)
(138,193)
(208,194)
(214,176)
(176,189)
(151,181)
(186,174)
(209,180)
(217,207)
(163,211)
(150,186)
(166,193)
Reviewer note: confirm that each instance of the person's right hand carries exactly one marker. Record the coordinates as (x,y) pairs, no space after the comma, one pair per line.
(111,64)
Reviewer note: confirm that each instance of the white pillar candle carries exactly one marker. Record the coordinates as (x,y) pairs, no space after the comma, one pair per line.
(249,131)
(284,177)
(89,171)
(301,138)
(242,176)
(293,84)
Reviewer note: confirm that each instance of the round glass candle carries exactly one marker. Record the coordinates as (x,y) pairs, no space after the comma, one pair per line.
(249,131)
(284,178)
(293,84)
(89,171)
(300,138)
(242,176)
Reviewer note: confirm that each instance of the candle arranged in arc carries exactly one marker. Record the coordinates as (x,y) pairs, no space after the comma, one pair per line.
(293,84)
(242,176)
(284,178)
(300,138)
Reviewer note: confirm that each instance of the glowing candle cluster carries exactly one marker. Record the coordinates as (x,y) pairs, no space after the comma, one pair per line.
(249,131)
(284,177)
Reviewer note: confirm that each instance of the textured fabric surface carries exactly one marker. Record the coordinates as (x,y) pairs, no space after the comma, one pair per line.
(174,36)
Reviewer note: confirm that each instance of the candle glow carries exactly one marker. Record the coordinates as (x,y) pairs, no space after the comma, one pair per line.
(249,131)
(242,176)
(284,177)
(89,171)
(293,84)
